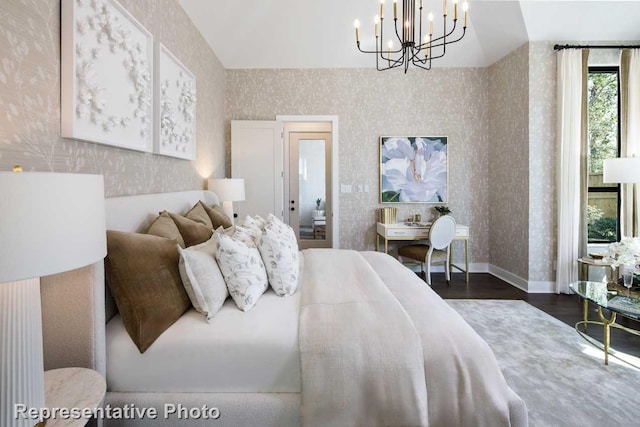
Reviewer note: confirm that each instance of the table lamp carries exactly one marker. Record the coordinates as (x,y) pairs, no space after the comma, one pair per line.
(229,190)
(622,170)
(49,223)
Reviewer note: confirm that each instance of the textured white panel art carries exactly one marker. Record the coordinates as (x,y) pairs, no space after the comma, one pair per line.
(107,75)
(175,109)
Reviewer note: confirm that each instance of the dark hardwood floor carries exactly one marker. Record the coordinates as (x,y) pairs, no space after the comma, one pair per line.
(567,308)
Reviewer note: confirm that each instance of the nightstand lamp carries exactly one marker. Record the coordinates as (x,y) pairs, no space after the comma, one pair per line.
(49,223)
(229,190)
(622,170)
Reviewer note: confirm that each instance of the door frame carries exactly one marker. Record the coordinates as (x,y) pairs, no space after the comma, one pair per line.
(335,235)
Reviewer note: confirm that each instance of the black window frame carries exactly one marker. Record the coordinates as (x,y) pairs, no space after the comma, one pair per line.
(611,189)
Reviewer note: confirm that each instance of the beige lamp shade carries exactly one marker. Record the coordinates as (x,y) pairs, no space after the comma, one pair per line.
(50,223)
(623,170)
(228,189)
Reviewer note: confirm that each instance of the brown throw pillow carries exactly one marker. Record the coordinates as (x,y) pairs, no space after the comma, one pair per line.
(198,214)
(164,226)
(192,232)
(143,275)
(217,215)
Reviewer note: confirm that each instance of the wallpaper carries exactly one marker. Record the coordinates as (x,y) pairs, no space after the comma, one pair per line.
(30,101)
(542,166)
(509,162)
(370,104)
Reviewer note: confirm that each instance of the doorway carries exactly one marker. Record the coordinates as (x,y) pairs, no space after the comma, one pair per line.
(310,195)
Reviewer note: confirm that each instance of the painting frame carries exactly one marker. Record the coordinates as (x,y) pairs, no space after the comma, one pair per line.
(400,182)
(103,49)
(175,106)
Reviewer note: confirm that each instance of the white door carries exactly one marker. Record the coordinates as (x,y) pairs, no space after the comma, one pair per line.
(310,183)
(257,155)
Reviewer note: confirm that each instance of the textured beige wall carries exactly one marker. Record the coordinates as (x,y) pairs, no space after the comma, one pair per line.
(542,167)
(30,101)
(451,102)
(509,162)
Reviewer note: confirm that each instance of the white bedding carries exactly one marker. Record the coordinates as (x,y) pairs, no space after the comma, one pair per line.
(258,353)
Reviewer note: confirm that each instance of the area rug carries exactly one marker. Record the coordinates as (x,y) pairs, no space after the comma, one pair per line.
(558,374)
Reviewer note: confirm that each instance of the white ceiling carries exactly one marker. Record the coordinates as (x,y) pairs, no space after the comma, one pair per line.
(320,33)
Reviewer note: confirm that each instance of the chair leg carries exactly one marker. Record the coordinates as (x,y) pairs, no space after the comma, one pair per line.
(447,267)
(427,277)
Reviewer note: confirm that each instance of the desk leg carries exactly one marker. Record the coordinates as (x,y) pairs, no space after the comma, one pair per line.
(466,262)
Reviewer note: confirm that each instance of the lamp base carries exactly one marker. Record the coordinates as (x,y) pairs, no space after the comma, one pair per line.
(21,361)
(228,210)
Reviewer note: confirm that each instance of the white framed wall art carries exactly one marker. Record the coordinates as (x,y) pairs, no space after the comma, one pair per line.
(175,107)
(106,75)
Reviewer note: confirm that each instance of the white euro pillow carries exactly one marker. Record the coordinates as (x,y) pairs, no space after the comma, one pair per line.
(202,278)
(242,268)
(279,250)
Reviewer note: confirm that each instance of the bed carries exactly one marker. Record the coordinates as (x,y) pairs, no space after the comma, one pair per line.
(411,354)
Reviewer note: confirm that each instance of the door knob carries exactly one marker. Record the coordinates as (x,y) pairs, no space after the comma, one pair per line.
(293,201)
(292,208)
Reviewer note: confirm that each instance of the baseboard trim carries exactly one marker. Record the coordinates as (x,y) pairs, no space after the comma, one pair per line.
(541,287)
(509,277)
(530,287)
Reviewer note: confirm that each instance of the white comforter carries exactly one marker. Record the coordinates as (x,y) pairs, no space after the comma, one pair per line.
(364,321)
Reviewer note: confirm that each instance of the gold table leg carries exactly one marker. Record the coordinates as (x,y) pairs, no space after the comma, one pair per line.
(607,332)
(386,246)
(377,242)
(585,312)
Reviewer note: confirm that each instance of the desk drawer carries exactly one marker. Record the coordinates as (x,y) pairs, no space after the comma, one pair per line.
(462,232)
(406,232)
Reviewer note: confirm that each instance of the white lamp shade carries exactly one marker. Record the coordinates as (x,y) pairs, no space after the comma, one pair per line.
(228,189)
(50,223)
(624,170)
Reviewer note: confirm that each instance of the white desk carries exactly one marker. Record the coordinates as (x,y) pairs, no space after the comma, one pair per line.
(421,232)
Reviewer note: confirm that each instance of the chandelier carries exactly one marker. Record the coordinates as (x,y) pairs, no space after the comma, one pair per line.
(414,48)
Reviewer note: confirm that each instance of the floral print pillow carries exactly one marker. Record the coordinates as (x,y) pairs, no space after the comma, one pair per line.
(279,249)
(242,268)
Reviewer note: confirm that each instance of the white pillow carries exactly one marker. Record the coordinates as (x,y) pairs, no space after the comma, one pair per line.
(202,278)
(280,254)
(242,268)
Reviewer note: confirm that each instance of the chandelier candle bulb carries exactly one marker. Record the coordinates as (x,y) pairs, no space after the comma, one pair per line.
(381,9)
(420,4)
(455,10)
(395,9)
(465,7)
(357,25)
(430,23)
(444,7)
(376,22)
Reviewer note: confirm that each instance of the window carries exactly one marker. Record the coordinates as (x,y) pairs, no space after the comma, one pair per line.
(603,203)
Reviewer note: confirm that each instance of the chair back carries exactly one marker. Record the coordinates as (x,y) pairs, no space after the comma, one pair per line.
(442,232)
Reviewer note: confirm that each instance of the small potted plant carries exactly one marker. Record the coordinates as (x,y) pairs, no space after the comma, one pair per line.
(442,210)
(317,212)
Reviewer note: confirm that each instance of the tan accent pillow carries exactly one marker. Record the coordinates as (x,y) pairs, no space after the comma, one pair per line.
(217,215)
(192,232)
(143,275)
(198,214)
(164,226)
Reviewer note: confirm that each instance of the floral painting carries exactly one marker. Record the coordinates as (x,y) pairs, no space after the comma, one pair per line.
(413,169)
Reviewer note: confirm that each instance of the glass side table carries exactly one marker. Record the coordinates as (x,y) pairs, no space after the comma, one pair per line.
(616,299)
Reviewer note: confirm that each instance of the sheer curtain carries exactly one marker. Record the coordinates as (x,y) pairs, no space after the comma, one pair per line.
(630,135)
(571,167)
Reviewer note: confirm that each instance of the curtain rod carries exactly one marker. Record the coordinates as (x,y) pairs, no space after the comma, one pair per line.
(596,46)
